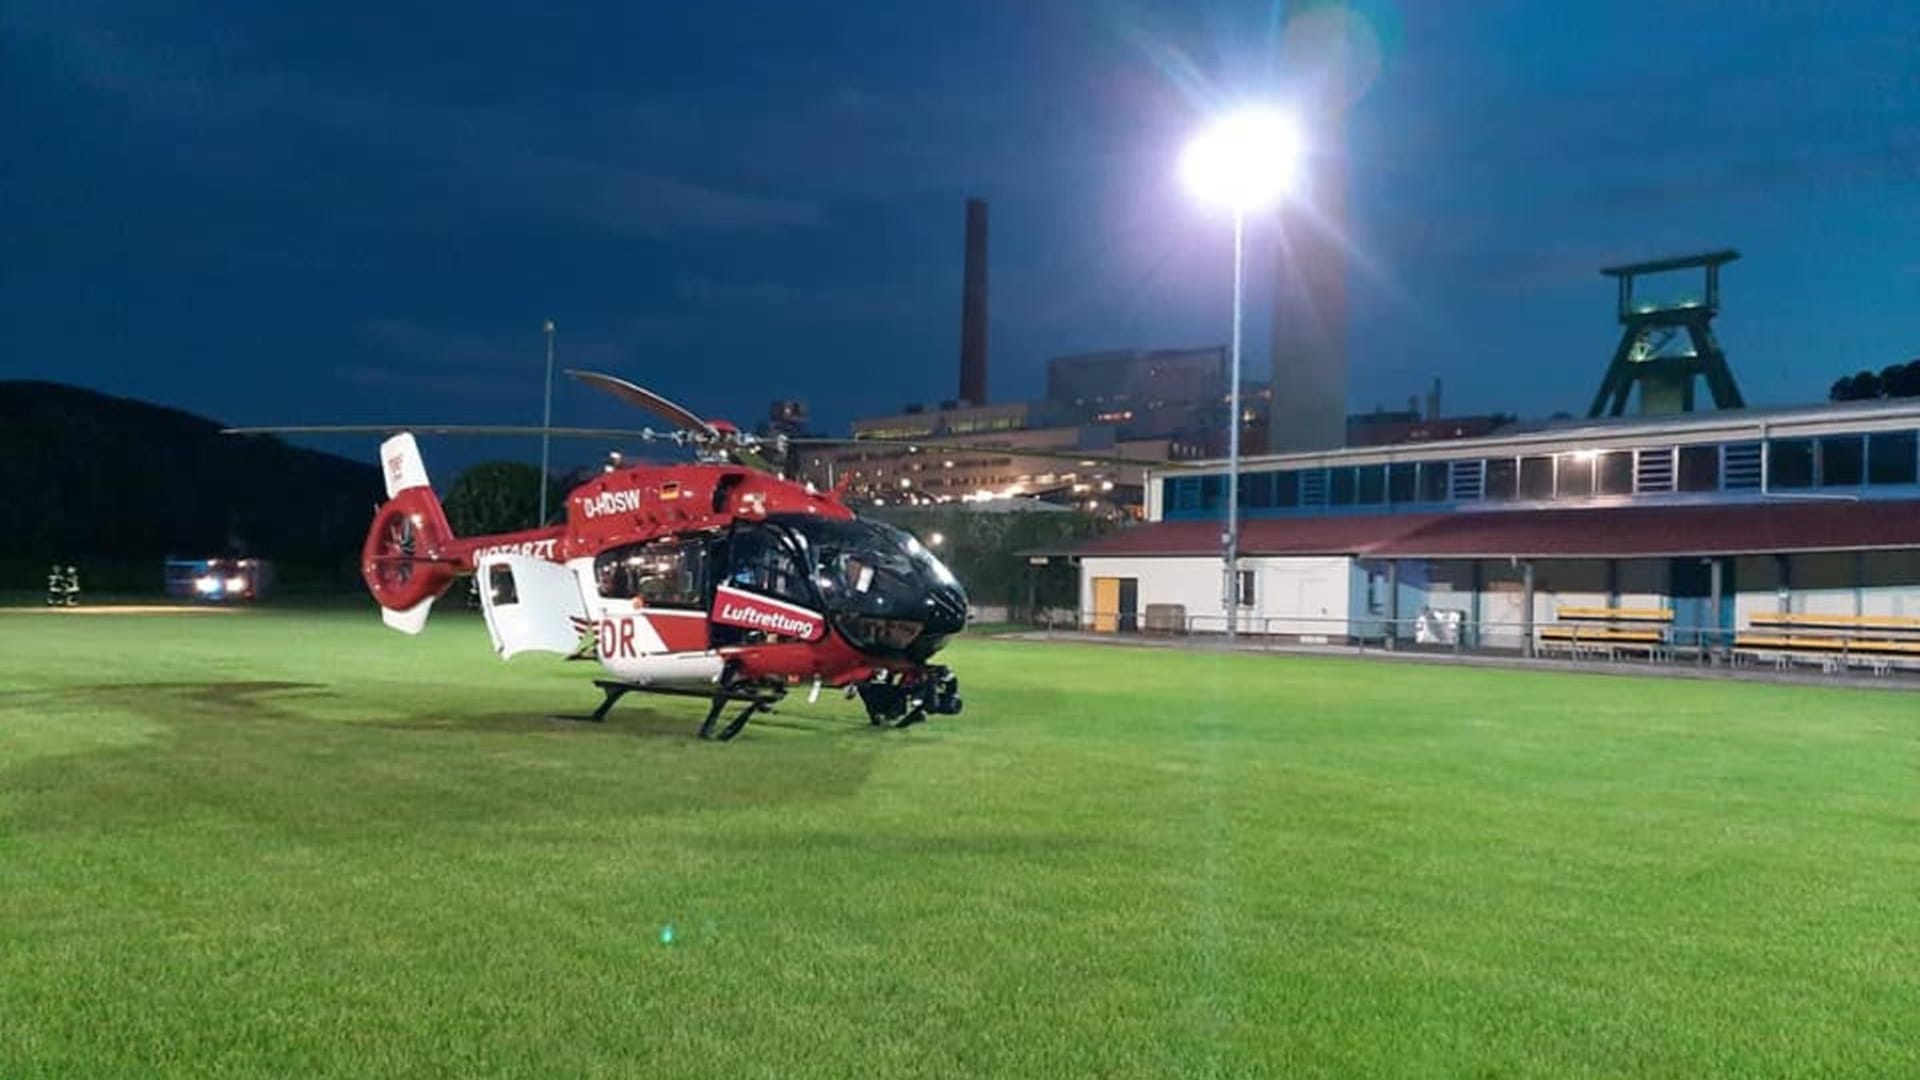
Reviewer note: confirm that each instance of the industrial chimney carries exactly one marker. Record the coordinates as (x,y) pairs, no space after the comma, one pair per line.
(973,308)
(1310,274)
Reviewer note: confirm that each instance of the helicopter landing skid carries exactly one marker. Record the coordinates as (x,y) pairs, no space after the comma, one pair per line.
(727,733)
(756,702)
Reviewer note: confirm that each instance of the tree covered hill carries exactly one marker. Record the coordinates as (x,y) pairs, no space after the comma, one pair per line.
(86,475)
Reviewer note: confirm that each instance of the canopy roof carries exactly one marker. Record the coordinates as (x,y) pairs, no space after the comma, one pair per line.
(1591,532)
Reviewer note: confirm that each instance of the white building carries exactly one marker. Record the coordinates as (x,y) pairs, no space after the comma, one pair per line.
(1712,520)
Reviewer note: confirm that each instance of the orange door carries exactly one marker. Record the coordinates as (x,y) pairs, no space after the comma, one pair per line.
(1106,605)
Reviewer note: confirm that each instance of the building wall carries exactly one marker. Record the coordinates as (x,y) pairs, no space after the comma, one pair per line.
(1870,583)
(1303,596)
(1450,584)
(1894,583)
(1502,605)
(1569,583)
(1194,582)
(1372,602)
(1757,581)
(1307,596)
(1340,596)
(1824,584)
(1122,377)
(1644,583)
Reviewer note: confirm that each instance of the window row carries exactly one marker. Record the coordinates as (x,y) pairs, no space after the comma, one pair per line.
(1881,459)
(1842,461)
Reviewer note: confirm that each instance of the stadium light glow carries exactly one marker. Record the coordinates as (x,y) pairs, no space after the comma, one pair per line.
(1248,161)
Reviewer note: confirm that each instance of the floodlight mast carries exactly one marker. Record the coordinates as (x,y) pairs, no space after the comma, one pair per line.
(546,421)
(1246,161)
(1230,538)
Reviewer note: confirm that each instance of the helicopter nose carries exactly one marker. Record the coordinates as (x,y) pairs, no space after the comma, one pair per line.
(946,609)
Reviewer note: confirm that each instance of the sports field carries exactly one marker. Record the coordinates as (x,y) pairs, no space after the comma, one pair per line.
(272,844)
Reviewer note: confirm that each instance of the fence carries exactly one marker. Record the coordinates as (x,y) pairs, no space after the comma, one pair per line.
(1702,646)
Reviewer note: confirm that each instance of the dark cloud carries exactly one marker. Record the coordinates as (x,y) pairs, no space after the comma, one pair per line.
(738,201)
(802,301)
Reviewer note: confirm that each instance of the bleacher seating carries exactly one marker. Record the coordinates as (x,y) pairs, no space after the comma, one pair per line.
(1608,631)
(1835,642)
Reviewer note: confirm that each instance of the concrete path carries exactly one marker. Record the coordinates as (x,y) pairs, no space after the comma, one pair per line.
(1680,669)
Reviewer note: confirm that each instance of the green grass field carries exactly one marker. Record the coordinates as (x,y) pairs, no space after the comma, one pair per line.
(281,844)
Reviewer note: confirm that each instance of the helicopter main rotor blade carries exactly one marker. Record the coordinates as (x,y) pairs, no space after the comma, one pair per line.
(646,399)
(644,434)
(935,448)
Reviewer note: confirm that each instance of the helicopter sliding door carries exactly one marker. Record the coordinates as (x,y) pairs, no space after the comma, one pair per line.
(651,625)
(655,593)
(531,605)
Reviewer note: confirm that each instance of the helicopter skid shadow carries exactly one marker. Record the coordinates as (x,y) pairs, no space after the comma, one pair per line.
(669,722)
(634,724)
(628,722)
(279,750)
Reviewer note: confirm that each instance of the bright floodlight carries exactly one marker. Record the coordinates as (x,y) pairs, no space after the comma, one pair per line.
(1245,161)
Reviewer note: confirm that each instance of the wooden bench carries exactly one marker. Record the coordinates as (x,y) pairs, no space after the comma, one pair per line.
(1608,630)
(1835,642)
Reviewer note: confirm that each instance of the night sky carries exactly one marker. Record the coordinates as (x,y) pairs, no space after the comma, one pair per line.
(362,212)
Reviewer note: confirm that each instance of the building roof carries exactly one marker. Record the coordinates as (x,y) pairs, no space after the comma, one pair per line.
(1606,433)
(1610,532)
(1344,535)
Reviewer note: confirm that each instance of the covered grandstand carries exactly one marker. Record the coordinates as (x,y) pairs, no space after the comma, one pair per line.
(1764,534)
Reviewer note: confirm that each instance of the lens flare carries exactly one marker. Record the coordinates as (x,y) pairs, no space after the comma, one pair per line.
(1246,161)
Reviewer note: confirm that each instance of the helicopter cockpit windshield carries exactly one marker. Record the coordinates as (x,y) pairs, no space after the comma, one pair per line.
(883,589)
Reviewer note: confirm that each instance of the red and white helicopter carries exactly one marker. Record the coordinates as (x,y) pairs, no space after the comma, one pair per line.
(720,579)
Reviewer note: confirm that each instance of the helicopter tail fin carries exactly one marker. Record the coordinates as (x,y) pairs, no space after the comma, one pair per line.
(400,460)
(403,561)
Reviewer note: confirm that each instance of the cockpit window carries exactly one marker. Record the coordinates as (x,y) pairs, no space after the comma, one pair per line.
(853,566)
(883,589)
(761,559)
(868,565)
(861,565)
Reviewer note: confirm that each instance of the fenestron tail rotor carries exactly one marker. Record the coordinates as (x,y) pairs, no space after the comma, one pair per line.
(400,548)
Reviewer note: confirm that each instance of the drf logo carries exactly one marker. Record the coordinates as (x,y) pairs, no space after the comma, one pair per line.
(616,640)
